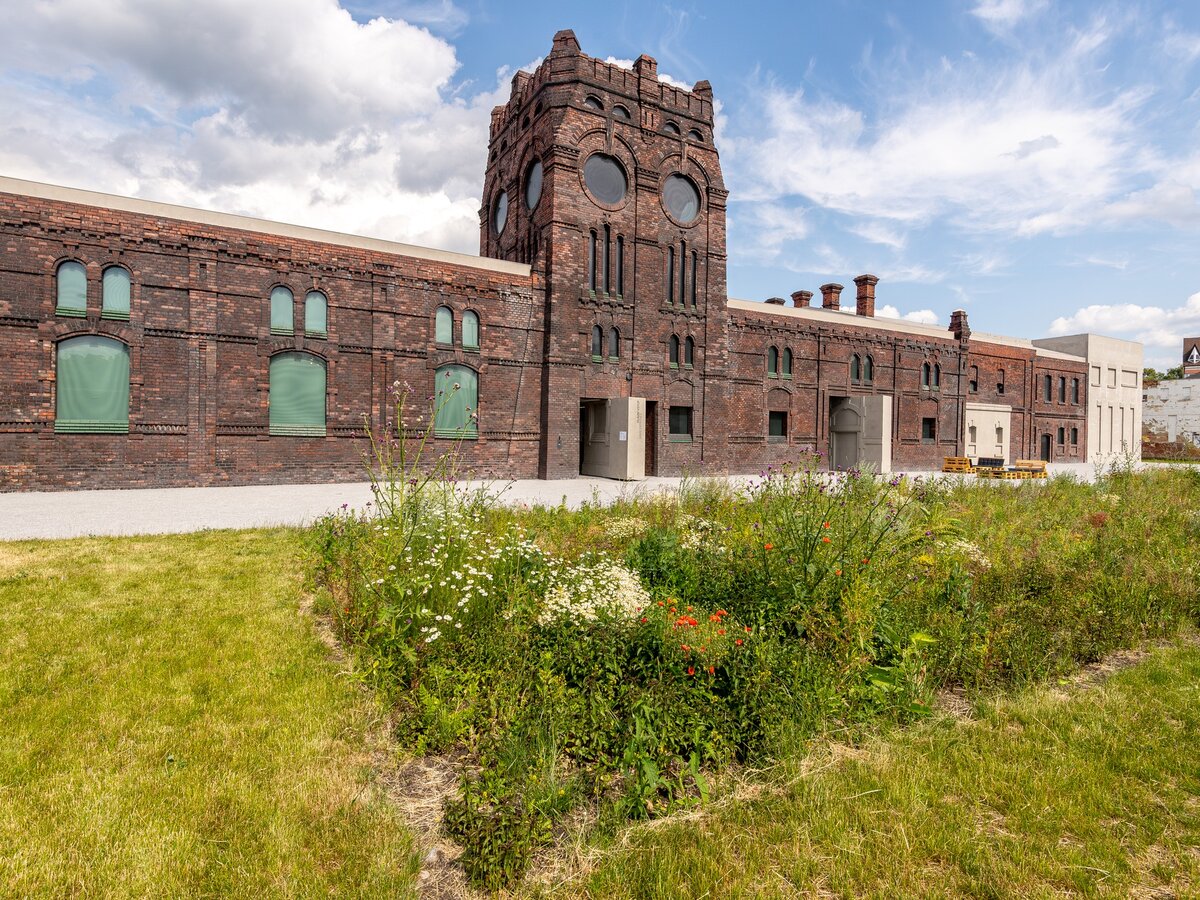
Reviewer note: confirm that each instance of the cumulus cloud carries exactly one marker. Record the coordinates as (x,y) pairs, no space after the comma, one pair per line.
(924,316)
(289,109)
(1158,328)
(662,76)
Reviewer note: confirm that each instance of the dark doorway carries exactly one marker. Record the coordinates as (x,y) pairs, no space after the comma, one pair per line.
(651,438)
(1046,447)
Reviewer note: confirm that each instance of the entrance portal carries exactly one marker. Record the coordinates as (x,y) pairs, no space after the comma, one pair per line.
(612,439)
(860,432)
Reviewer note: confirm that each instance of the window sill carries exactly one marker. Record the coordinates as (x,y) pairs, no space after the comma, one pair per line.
(674,366)
(91,427)
(597,359)
(120,317)
(323,335)
(787,377)
(456,435)
(614,359)
(679,439)
(470,349)
(296,430)
(772,375)
(776,439)
(281,331)
(73,313)
(687,365)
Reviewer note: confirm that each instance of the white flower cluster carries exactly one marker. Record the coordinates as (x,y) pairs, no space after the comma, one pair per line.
(972,552)
(591,587)
(625,529)
(1109,498)
(699,534)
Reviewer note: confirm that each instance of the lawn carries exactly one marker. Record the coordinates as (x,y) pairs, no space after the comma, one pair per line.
(1090,791)
(172,726)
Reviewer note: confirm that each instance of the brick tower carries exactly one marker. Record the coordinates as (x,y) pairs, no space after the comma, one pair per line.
(606,181)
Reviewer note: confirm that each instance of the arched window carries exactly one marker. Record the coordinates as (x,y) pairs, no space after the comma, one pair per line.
(671,128)
(593,102)
(297,395)
(597,343)
(114,293)
(456,398)
(868,370)
(71,283)
(689,353)
(620,112)
(937,375)
(592,261)
(282,315)
(695,135)
(671,275)
(971,436)
(470,330)
(925,375)
(92,380)
(695,259)
(443,325)
(614,343)
(973,380)
(620,266)
(316,314)
(772,362)
(1074,437)
(855,369)
(787,362)
(1062,391)
(674,352)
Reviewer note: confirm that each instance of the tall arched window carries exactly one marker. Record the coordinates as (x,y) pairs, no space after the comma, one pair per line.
(868,370)
(620,265)
(470,330)
(592,261)
(443,325)
(772,362)
(937,375)
(92,381)
(925,375)
(674,352)
(297,395)
(71,285)
(316,314)
(689,353)
(282,314)
(114,293)
(855,369)
(614,343)
(597,343)
(787,362)
(456,398)
(671,275)
(695,260)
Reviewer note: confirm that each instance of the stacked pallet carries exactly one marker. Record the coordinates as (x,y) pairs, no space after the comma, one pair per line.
(958,464)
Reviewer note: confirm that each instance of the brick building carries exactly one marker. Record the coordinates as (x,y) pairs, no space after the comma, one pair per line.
(149,344)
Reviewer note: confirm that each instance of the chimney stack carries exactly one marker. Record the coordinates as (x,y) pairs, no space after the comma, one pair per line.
(801,298)
(776,301)
(958,324)
(831,296)
(865,301)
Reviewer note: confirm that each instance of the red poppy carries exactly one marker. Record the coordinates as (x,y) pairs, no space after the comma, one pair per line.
(768,546)
(865,561)
(720,631)
(644,620)
(748,629)
(739,642)
(825,540)
(684,647)
(711,669)
(824,524)
(691,670)
(837,571)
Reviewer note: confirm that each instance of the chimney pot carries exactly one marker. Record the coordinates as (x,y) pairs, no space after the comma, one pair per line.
(865,301)
(958,324)
(801,298)
(776,301)
(831,296)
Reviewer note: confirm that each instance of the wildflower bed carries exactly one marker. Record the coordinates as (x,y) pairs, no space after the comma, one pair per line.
(610,658)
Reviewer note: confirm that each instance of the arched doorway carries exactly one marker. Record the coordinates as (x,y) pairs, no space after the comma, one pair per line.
(1046,447)
(845,427)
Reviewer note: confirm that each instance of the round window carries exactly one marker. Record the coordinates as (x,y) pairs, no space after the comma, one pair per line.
(605,178)
(681,199)
(500,216)
(533,184)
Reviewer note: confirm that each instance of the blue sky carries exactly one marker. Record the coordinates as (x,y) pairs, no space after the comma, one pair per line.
(1034,162)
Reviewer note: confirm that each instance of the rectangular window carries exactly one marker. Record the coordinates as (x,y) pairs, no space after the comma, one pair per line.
(1129,378)
(973,384)
(694,261)
(1112,378)
(592,261)
(928,430)
(1000,383)
(1062,436)
(1075,390)
(777,430)
(620,265)
(683,273)
(1062,389)
(1095,376)
(607,242)
(680,420)
(671,275)
(1074,436)
(1047,388)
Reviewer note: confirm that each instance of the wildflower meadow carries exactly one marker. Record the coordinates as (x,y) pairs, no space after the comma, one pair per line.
(609,660)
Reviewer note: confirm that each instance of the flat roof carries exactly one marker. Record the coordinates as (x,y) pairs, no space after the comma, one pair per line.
(42,191)
(842,317)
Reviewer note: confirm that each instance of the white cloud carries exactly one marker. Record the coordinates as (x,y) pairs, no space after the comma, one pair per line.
(662,76)
(924,316)
(1002,15)
(287,109)
(759,231)
(1159,328)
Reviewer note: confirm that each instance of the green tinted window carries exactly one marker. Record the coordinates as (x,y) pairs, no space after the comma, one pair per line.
(456,395)
(72,290)
(115,293)
(443,326)
(470,330)
(282,321)
(92,378)
(316,314)
(297,399)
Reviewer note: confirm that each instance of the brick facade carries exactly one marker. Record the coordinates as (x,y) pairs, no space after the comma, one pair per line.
(200,340)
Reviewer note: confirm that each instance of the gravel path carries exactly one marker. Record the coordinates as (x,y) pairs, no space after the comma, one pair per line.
(64,514)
